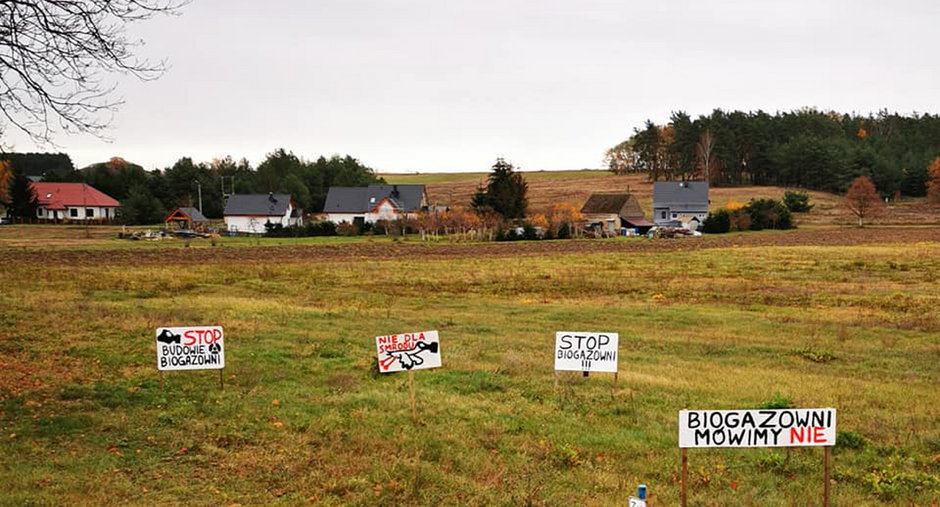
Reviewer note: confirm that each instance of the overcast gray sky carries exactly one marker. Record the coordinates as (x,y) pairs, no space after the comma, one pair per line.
(439,85)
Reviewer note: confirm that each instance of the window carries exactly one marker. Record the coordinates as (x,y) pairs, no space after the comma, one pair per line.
(662,214)
(89,212)
(675,216)
(39,212)
(73,212)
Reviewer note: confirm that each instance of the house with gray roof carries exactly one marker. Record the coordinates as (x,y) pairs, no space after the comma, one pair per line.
(680,202)
(357,205)
(249,213)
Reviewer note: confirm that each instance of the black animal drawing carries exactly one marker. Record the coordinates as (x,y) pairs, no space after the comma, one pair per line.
(408,358)
(167,337)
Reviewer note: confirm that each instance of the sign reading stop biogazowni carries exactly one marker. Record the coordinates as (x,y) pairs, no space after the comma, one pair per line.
(190,348)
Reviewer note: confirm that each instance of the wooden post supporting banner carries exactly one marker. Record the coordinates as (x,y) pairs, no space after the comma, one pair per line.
(221,379)
(684,493)
(556,381)
(826,476)
(411,389)
(161,381)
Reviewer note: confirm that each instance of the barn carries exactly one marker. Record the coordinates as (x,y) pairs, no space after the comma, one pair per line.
(610,213)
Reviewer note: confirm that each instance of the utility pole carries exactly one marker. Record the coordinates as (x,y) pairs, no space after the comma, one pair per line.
(199,190)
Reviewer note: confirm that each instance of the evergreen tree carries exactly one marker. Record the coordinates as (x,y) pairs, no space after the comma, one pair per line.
(23,202)
(505,192)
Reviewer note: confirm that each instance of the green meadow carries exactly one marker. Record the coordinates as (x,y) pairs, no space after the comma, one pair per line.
(304,417)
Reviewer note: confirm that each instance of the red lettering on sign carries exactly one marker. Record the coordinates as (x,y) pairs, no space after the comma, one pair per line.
(797,435)
(818,436)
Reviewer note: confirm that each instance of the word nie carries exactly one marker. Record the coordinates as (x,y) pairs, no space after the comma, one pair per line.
(586,351)
(190,348)
(408,351)
(757,428)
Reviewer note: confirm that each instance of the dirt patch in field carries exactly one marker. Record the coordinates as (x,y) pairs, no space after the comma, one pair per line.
(366,251)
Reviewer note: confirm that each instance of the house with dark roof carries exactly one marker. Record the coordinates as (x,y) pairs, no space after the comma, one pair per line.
(375,202)
(249,213)
(73,201)
(185,217)
(610,213)
(682,203)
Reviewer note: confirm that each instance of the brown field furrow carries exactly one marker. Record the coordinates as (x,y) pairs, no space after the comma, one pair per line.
(378,251)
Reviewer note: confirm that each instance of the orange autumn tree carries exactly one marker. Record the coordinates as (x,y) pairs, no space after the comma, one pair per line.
(6,176)
(862,199)
(933,181)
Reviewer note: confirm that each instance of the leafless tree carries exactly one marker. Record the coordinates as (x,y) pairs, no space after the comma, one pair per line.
(56,56)
(705,155)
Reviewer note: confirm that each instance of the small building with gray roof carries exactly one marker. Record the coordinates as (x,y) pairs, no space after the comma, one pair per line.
(249,213)
(376,202)
(676,202)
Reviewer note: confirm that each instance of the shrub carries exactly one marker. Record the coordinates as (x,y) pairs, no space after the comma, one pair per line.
(849,439)
(797,202)
(777,402)
(717,223)
(768,214)
(346,229)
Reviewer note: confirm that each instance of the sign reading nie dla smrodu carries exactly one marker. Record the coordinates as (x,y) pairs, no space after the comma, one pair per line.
(190,348)
(757,428)
(408,351)
(586,351)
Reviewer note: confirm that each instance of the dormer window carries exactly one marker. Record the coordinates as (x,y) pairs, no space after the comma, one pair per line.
(48,196)
(372,200)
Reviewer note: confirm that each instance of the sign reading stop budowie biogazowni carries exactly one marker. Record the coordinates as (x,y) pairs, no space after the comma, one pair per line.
(586,351)
(190,348)
(408,351)
(757,428)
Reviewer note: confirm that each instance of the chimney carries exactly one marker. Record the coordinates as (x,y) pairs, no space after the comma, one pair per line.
(271,197)
(395,193)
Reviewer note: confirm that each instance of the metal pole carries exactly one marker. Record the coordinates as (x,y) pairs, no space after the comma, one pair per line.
(199,190)
(684,493)
(826,476)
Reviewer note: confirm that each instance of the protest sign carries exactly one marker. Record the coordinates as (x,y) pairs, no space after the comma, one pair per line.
(408,351)
(757,428)
(578,351)
(190,348)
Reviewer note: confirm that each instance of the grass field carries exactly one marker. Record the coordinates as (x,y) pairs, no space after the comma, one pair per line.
(303,417)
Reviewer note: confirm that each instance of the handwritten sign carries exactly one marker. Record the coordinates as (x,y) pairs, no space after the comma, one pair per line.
(408,351)
(190,348)
(757,428)
(586,351)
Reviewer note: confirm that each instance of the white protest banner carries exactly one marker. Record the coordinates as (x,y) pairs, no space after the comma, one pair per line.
(408,351)
(190,348)
(586,351)
(757,428)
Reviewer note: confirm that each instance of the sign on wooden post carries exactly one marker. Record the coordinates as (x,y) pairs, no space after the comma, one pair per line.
(801,427)
(190,348)
(409,352)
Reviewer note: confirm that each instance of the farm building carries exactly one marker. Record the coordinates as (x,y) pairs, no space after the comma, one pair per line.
(73,201)
(185,217)
(608,213)
(375,202)
(248,213)
(680,202)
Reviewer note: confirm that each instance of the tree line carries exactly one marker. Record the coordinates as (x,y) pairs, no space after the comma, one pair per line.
(146,196)
(806,148)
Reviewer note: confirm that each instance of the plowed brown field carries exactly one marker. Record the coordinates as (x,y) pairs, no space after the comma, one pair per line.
(377,251)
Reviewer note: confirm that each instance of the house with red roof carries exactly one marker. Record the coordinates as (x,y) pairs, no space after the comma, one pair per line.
(73,201)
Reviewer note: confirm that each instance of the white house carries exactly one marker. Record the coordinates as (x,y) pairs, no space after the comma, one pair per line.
(73,201)
(375,202)
(248,213)
(680,202)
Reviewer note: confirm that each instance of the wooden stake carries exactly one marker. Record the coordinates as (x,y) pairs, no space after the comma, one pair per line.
(221,379)
(411,389)
(161,381)
(556,381)
(684,493)
(826,476)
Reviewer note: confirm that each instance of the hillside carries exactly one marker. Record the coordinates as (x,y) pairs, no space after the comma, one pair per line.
(546,188)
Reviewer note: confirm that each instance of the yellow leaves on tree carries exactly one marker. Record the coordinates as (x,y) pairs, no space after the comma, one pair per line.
(933,181)
(734,205)
(6,176)
(862,133)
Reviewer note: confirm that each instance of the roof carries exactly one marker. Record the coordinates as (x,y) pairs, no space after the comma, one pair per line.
(186,214)
(406,198)
(268,205)
(58,196)
(624,205)
(681,195)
